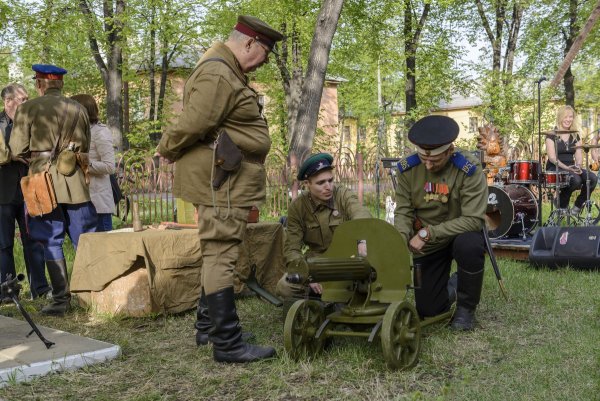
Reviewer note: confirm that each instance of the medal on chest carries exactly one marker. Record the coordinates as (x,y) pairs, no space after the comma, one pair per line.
(436,191)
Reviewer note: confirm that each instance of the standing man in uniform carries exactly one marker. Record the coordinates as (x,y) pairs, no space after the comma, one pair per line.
(441,200)
(313,217)
(44,128)
(11,202)
(219,103)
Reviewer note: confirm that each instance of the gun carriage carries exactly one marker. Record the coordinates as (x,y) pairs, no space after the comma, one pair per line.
(371,294)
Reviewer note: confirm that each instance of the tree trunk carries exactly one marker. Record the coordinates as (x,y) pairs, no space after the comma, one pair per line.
(111,71)
(152,63)
(312,90)
(411,43)
(494,38)
(292,83)
(575,47)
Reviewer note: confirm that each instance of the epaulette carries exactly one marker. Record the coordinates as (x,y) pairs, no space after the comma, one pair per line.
(463,164)
(409,162)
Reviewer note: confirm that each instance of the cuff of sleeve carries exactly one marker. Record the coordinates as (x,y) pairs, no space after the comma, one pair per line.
(433,235)
(167,154)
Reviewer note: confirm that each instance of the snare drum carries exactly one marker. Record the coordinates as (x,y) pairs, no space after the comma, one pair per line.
(553,179)
(511,211)
(523,172)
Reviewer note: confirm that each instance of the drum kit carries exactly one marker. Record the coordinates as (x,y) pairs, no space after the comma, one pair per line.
(512,208)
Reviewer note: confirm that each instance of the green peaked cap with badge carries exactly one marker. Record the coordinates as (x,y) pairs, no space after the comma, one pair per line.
(314,164)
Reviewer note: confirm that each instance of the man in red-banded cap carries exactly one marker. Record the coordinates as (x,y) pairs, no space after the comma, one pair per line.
(53,131)
(217,99)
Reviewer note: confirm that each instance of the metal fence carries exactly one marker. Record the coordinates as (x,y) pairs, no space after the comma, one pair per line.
(148,182)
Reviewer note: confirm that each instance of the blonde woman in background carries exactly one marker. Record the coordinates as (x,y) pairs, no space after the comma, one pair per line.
(102,164)
(567,158)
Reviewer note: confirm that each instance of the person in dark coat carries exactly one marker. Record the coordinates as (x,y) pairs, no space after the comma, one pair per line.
(12,208)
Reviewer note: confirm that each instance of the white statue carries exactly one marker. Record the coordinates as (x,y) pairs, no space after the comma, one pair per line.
(390,206)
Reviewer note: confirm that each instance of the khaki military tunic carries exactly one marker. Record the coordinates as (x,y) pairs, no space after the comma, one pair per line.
(464,210)
(312,224)
(36,128)
(216,96)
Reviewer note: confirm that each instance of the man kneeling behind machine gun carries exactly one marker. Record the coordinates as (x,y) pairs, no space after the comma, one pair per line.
(441,199)
(313,217)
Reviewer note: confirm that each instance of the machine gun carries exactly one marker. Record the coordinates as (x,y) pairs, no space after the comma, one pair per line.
(371,291)
(11,288)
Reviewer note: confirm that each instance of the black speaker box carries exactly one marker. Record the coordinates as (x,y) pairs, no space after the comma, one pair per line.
(577,247)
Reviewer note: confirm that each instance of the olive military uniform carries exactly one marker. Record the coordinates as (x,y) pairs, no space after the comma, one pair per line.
(450,204)
(39,125)
(216,96)
(36,128)
(217,100)
(312,224)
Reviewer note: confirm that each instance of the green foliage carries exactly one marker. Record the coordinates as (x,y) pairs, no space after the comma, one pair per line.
(140,134)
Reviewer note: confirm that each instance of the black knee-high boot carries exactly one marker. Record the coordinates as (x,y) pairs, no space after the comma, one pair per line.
(61,295)
(226,333)
(468,296)
(203,323)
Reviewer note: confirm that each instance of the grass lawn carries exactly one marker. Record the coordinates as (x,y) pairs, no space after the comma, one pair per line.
(540,345)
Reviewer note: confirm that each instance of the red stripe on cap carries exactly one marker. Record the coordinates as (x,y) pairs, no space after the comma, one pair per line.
(246,30)
(41,75)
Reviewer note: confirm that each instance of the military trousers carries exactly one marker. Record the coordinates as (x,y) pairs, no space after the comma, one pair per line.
(50,229)
(467,249)
(221,232)
(33,252)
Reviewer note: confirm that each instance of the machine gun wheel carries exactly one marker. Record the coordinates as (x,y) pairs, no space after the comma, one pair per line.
(401,335)
(301,324)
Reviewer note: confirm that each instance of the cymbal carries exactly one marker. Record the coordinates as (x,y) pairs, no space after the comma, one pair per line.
(587,146)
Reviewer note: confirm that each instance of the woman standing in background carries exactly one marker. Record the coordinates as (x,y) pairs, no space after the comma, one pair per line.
(102,164)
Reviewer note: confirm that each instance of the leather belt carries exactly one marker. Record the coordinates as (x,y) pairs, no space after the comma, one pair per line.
(44,153)
(253,158)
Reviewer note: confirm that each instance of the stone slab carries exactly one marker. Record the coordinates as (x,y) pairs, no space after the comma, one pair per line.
(23,358)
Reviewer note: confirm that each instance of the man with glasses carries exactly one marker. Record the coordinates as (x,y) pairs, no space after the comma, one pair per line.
(12,209)
(441,199)
(217,99)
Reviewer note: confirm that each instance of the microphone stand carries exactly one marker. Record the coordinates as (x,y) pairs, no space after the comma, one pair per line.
(539,84)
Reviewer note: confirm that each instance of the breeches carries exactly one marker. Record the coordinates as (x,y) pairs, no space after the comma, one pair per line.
(221,233)
(578,182)
(50,229)
(468,251)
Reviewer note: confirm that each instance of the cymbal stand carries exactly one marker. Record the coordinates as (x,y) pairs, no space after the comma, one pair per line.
(588,204)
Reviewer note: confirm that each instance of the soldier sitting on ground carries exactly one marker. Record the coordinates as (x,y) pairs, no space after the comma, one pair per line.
(313,217)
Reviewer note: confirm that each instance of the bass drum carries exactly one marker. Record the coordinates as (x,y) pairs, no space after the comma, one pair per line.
(512,211)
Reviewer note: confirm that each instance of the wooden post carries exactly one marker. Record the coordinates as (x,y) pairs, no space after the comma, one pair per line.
(359,162)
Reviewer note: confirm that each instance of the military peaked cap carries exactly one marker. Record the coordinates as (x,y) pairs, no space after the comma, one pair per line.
(433,134)
(48,71)
(314,164)
(259,30)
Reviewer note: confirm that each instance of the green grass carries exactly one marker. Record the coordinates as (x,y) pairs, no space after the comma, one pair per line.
(540,345)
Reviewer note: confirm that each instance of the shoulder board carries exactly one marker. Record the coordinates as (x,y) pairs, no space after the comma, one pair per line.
(407,163)
(463,164)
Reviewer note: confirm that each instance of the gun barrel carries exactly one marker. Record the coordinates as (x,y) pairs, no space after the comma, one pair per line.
(339,269)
